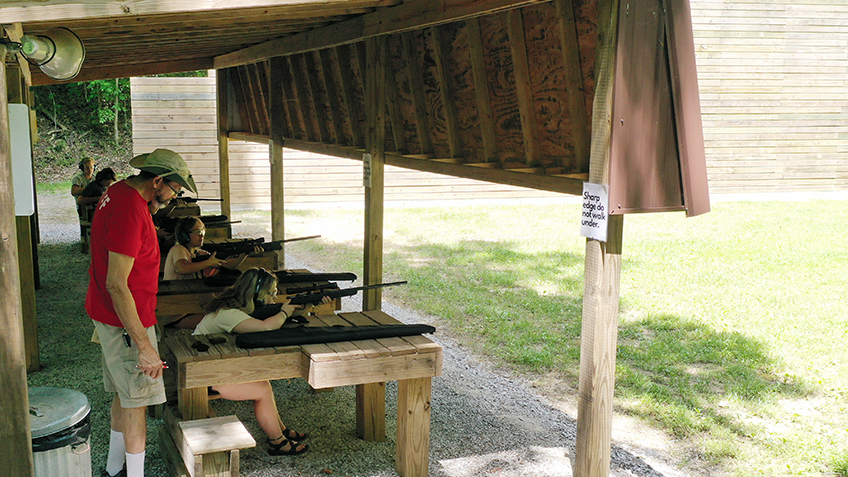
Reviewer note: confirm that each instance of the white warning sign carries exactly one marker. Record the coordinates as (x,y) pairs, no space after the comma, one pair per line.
(593,220)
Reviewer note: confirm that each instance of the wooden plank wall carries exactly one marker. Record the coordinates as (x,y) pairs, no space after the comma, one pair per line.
(179,113)
(773,78)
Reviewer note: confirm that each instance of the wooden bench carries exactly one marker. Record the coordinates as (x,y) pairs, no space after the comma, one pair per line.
(366,364)
(204,447)
(85,235)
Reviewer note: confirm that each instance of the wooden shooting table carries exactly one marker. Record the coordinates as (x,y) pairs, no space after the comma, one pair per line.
(368,364)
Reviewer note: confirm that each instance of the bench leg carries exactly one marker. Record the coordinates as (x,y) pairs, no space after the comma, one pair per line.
(193,403)
(371,411)
(413,427)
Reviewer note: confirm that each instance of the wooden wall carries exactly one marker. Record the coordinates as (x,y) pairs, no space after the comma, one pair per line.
(179,114)
(773,79)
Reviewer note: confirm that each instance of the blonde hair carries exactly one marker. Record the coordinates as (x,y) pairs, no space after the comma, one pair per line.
(253,285)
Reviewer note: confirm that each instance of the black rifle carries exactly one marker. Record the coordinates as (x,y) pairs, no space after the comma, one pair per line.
(227,277)
(314,298)
(192,200)
(229,249)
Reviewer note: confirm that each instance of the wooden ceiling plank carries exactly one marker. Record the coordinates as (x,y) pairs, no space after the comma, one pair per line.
(416,87)
(579,118)
(393,105)
(63,10)
(330,86)
(297,123)
(524,91)
(261,93)
(242,98)
(481,90)
(317,103)
(406,17)
(275,87)
(341,56)
(300,89)
(236,18)
(441,53)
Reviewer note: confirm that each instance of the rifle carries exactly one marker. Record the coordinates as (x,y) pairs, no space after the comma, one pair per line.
(229,249)
(193,200)
(314,298)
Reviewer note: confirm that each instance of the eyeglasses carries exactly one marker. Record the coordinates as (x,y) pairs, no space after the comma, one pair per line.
(172,188)
(201,232)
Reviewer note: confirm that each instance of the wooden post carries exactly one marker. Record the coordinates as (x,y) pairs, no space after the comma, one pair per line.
(371,398)
(223,144)
(15,433)
(278,122)
(17,93)
(413,429)
(599,334)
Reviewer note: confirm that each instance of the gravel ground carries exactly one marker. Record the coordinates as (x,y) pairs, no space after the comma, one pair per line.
(484,422)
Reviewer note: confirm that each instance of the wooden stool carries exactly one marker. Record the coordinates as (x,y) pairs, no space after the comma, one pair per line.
(209,446)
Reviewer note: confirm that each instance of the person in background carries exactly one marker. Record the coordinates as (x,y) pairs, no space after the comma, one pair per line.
(92,192)
(121,300)
(81,180)
(230,313)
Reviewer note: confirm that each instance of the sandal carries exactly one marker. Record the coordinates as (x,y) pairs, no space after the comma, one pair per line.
(293,435)
(277,449)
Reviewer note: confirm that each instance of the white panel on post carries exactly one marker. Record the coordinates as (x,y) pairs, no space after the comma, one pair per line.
(22,181)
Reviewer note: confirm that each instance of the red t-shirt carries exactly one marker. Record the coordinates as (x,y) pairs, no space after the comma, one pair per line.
(123,224)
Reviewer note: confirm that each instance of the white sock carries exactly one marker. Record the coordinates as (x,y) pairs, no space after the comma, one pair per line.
(135,464)
(117,453)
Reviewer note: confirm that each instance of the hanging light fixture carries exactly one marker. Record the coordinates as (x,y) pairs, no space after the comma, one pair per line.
(59,53)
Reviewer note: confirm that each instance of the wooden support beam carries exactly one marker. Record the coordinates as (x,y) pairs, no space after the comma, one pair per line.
(15,433)
(441,53)
(387,21)
(300,88)
(580,134)
(395,116)
(323,58)
(14,32)
(371,398)
(222,105)
(481,90)
(342,56)
(523,88)
(277,101)
(413,427)
(254,101)
(318,105)
(599,334)
(90,73)
(416,87)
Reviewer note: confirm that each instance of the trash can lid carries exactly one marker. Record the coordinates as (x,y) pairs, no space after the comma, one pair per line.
(55,409)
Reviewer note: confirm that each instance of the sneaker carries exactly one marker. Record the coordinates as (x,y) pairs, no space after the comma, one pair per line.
(122,473)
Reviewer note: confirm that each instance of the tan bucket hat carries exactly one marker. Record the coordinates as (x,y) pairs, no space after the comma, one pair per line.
(167,164)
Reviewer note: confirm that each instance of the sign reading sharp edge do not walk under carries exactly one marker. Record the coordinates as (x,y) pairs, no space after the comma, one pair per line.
(593,219)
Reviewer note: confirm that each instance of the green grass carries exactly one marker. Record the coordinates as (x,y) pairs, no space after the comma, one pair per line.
(53,186)
(732,325)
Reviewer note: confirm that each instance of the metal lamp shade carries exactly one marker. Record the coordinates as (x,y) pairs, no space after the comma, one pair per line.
(59,53)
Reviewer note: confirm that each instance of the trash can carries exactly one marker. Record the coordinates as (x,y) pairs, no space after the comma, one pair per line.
(61,425)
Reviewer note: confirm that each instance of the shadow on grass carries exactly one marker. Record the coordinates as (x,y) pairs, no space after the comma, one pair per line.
(526,309)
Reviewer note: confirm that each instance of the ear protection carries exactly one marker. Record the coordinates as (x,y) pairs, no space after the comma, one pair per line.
(261,280)
(182,232)
(81,163)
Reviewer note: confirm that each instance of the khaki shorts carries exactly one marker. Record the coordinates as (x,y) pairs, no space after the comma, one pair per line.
(120,372)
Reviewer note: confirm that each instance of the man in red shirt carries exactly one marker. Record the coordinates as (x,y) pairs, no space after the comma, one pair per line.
(121,299)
